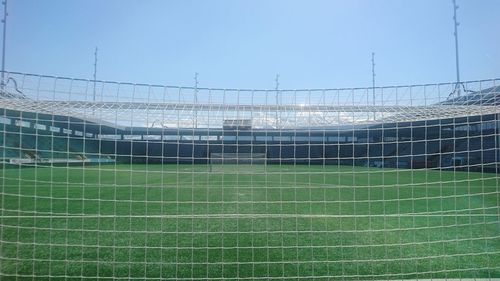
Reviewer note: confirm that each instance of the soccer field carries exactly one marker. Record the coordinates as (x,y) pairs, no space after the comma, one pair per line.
(283,222)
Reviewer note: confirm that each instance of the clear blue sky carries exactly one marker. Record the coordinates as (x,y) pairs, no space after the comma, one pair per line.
(243,44)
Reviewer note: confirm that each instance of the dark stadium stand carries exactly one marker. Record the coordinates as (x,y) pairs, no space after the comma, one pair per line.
(460,143)
(23,142)
(468,142)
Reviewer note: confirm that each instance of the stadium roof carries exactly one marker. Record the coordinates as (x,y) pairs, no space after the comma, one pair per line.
(486,97)
(284,109)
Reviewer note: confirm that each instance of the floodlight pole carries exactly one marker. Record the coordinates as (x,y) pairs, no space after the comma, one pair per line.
(456,24)
(277,80)
(95,73)
(196,99)
(95,79)
(373,82)
(4,21)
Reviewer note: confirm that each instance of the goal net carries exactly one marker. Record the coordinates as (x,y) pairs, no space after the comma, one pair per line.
(238,158)
(112,181)
(237,162)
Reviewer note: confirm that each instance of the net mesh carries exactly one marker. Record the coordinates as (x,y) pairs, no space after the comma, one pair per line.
(104,180)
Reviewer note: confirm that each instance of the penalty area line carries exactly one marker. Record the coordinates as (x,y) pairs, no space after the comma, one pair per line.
(248,216)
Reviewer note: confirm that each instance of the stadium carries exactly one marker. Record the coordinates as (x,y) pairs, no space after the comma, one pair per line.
(107,180)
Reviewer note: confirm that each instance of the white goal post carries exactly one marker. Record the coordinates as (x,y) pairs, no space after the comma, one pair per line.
(237,158)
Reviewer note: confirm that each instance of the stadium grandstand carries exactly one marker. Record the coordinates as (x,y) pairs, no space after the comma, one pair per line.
(196,183)
(457,132)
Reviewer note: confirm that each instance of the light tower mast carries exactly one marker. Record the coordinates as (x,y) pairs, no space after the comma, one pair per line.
(373,83)
(4,21)
(95,72)
(456,24)
(196,100)
(373,78)
(277,81)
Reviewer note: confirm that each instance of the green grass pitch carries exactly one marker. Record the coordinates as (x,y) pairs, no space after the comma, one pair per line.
(187,222)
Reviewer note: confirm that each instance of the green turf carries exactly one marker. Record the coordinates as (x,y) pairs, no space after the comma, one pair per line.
(247,222)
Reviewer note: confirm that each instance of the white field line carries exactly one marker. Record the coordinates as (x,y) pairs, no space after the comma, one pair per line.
(246,216)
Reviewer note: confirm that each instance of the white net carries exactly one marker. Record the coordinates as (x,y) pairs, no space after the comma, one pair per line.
(104,180)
